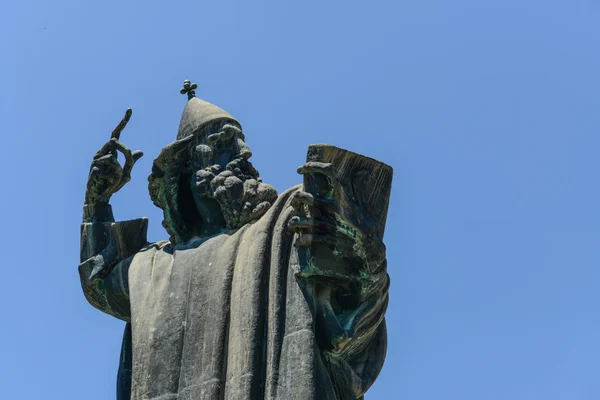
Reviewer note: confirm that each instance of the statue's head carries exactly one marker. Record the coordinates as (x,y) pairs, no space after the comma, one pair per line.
(203,181)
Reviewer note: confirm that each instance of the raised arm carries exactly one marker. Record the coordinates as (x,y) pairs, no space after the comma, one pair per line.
(108,246)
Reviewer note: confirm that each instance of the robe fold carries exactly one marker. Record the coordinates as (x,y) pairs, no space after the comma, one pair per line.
(215,318)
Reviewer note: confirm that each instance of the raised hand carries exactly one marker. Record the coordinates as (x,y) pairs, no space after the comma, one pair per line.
(106,174)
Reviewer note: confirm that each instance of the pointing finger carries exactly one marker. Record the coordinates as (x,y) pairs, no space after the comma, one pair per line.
(116,133)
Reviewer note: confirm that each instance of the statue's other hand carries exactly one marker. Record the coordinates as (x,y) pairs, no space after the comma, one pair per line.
(106,174)
(330,215)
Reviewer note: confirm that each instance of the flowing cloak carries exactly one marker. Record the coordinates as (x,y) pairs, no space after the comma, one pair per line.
(218,318)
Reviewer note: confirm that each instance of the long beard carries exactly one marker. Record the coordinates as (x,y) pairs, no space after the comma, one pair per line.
(239,191)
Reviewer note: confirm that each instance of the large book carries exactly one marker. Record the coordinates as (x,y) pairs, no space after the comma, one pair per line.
(369,180)
(356,193)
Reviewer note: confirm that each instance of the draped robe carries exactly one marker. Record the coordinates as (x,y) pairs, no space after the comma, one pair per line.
(215,318)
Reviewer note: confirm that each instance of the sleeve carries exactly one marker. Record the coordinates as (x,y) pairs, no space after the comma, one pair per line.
(356,366)
(107,249)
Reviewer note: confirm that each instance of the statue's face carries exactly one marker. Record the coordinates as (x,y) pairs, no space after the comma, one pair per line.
(214,149)
(219,144)
(223,181)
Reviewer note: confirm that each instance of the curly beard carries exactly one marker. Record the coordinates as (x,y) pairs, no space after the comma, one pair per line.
(241,194)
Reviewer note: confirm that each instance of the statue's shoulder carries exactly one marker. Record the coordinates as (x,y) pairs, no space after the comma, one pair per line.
(151,248)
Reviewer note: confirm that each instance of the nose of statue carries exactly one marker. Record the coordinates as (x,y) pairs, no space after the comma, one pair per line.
(243,149)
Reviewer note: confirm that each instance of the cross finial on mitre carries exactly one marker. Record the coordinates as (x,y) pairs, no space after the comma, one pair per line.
(189,88)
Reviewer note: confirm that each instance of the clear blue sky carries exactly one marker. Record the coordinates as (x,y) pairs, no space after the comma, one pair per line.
(489,113)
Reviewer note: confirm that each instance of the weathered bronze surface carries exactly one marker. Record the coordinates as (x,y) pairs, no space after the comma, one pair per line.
(255,295)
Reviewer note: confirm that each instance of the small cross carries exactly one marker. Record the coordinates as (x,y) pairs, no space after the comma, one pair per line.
(189,89)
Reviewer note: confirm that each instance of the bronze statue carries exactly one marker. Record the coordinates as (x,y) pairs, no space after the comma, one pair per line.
(255,295)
